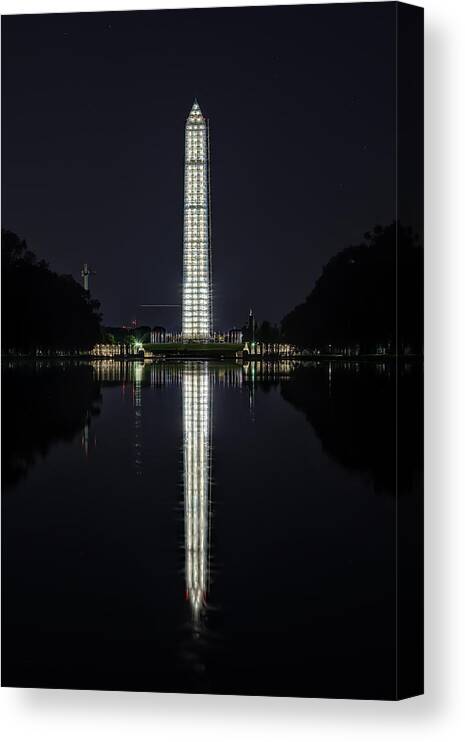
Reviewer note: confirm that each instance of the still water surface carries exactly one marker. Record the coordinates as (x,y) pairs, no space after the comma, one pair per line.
(202,527)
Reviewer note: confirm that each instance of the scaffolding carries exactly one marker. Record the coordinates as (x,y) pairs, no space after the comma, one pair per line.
(197,272)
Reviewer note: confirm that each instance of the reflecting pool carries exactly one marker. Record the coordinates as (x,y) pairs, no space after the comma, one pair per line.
(206,527)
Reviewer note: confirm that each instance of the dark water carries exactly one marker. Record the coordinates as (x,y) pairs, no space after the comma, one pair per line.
(198,527)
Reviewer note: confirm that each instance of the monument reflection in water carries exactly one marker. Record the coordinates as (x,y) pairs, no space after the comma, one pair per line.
(197,409)
(101,605)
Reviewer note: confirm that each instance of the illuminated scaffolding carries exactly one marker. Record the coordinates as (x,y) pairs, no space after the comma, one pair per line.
(197,293)
(196,394)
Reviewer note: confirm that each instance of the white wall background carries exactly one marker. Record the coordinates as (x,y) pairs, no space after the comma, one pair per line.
(52,715)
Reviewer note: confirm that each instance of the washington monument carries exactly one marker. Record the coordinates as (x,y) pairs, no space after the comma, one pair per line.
(197,288)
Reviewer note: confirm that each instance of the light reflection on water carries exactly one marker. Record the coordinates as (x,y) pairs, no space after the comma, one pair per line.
(196,380)
(197,411)
(283,477)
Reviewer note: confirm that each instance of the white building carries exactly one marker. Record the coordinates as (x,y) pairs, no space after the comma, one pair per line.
(197,293)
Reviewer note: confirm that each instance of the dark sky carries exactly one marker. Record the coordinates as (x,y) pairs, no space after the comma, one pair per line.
(300,102)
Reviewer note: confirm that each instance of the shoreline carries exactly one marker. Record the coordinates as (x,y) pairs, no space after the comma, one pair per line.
(209,355)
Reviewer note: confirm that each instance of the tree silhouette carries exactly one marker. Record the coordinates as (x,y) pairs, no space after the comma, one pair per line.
(41,310)
(268,333)
(368,296)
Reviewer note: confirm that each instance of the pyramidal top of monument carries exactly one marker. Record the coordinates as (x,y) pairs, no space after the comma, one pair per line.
(195,113)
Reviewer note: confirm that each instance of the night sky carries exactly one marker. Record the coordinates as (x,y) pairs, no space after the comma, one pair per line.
(300,102)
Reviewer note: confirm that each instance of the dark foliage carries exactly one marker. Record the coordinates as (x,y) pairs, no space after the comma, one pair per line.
(127,335)
(261,333)
(142,333)
(116,335)
(354,301)
(267,333)
(42,310)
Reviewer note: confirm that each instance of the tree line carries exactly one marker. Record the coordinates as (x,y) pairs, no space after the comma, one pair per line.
(369,298)
(42,310)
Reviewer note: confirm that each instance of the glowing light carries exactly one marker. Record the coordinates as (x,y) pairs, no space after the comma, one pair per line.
(197,452)
(197,299)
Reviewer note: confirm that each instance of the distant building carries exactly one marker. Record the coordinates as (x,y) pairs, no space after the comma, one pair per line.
(233,336)
(158,335)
